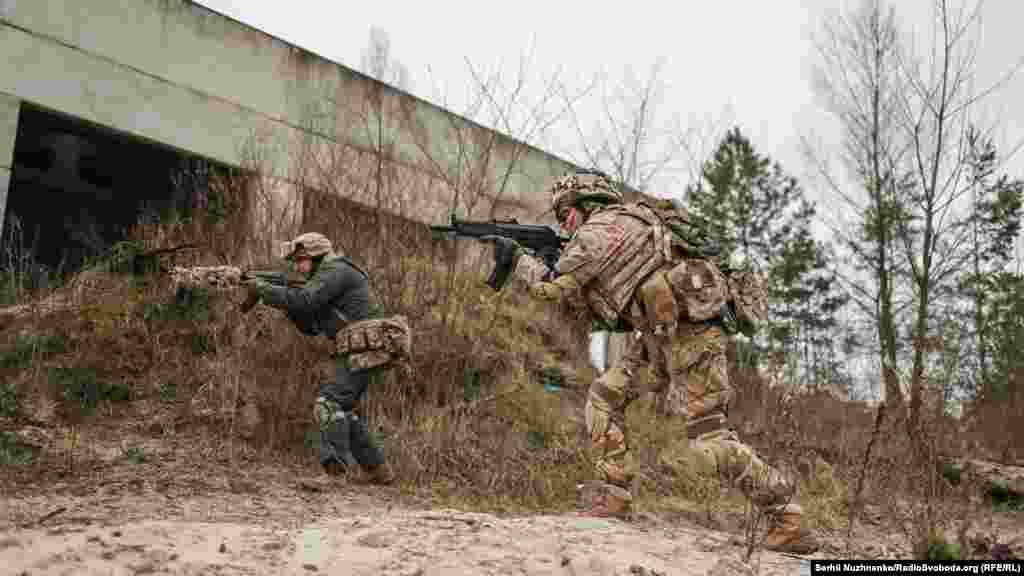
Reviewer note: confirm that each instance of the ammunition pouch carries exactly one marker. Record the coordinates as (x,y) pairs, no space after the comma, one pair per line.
(376,343)
(700,289)
(659,303)
(749,295)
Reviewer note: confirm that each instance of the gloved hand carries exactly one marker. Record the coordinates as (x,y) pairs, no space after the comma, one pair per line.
(256,288)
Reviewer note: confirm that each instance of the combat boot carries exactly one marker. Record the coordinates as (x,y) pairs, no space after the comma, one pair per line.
(786,535)
(333,468)
(381,475)
(607,501)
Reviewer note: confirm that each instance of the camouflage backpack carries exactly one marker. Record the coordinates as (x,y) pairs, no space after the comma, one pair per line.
(703,284)
(688,237)
(748,295)
(700,288)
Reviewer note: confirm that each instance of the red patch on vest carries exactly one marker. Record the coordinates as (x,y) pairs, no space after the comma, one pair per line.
(616,238)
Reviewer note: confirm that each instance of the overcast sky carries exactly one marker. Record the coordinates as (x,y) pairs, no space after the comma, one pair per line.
(742,62)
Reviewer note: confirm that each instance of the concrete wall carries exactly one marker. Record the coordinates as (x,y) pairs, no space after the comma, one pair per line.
(9,108)
(180,74)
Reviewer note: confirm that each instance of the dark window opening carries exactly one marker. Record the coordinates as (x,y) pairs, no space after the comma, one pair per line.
(77,188)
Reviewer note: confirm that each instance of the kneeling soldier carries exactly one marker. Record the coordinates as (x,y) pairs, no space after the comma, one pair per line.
(335,302)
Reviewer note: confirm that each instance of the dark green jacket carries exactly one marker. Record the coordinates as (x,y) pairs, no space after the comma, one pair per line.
(337,293)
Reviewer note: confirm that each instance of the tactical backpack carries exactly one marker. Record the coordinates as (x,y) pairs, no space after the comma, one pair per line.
(700,287)
(748,293)
(704,290)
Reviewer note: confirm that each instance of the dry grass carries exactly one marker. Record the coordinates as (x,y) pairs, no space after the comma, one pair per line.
(473,428)
(474,424)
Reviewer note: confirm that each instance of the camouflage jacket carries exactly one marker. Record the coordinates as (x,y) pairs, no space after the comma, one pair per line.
(336,294)
(608,257)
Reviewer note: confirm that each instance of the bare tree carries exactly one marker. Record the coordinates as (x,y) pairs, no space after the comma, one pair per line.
(634,142)
(479,166)
(907,133)
(391,157)
(858,79)
(936,114)
(377,61)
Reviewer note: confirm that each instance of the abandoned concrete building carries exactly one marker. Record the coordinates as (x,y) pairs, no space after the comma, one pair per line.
(111,110)
(104,104)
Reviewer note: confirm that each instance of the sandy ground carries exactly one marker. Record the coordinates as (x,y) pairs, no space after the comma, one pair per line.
(399,542)
(355,541)
(181,512)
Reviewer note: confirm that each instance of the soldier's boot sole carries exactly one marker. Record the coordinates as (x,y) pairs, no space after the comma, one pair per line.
(334,468)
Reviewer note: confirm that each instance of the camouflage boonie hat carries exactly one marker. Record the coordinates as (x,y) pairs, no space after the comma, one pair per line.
(310,245)
(575,187)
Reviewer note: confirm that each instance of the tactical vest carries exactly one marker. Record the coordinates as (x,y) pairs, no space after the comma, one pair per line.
(638,246)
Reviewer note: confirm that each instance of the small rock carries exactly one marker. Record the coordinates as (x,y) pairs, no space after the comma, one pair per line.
(270,546)
(312,485)
(598,565)
(1001,552)
(116,533)
(310,567)
(730,567)
(223,548)
(374,540)
(146,568)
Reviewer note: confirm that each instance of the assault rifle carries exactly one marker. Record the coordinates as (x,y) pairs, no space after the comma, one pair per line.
(227,278)
(273,277)
(543,241)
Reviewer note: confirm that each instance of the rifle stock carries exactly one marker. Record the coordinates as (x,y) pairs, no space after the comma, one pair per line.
(229,278)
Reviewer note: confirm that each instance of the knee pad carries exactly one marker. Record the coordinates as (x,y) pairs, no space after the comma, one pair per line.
(612,389)
(327,412)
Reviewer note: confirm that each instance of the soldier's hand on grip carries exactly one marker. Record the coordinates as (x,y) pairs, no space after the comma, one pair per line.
(506,254)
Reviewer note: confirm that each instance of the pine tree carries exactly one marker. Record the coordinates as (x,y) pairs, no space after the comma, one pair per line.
(992,293)
(754,209)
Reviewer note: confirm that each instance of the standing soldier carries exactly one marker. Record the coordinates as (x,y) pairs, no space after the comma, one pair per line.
(623,263)
(335,301)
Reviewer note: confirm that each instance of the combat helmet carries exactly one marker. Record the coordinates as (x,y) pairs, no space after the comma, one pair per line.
(310,245)
(579,186)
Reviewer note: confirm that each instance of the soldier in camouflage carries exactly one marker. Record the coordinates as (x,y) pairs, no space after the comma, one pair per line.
(616,265)
(336,293)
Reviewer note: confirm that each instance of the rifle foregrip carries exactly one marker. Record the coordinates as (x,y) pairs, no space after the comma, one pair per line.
(499,276)
(504,262)
(248,304)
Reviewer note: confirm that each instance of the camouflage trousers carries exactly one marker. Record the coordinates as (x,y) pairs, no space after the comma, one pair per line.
(721,454)
(691,381)
(686,376)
